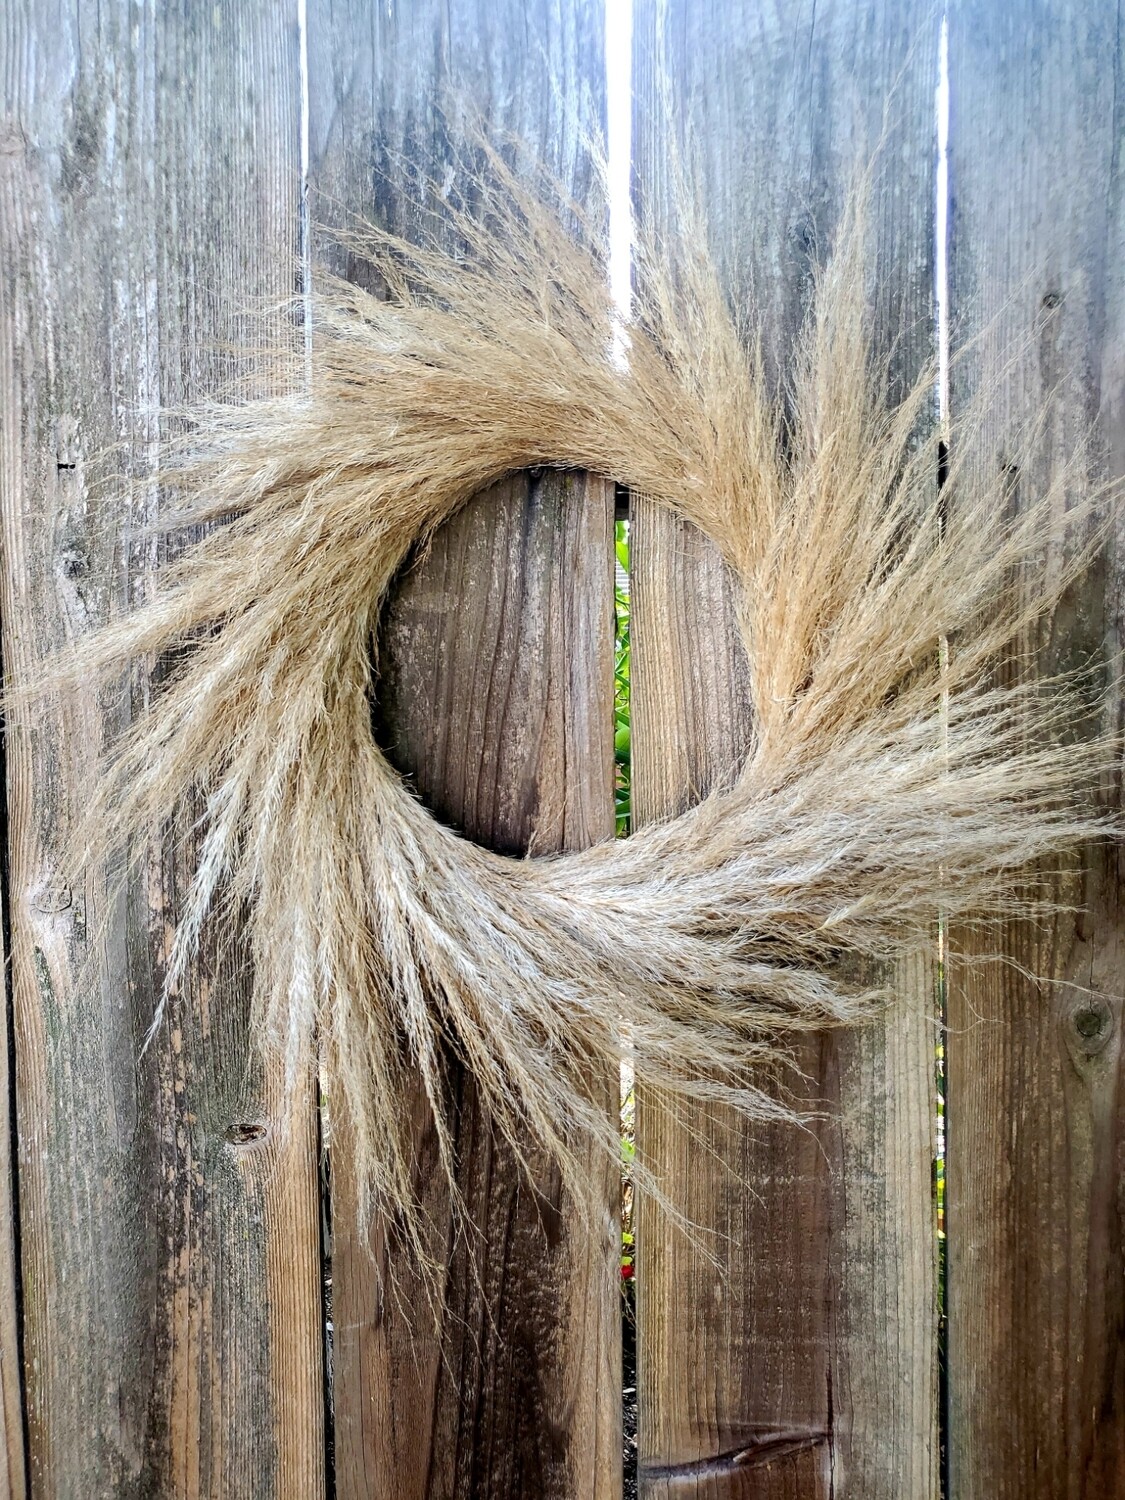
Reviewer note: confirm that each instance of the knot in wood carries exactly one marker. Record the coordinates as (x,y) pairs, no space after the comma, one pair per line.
(1092,1022)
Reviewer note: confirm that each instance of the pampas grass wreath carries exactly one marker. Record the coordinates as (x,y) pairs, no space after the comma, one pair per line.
(894,773)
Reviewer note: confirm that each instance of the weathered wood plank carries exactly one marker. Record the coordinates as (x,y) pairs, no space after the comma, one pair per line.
(13,1471)
(497,654)
(149,191)
(818,1322)
(497,677)
(1036,1208)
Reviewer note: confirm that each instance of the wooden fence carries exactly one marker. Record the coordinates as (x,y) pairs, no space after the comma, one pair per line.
(163,1249)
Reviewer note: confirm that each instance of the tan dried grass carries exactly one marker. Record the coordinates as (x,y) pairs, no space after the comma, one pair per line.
(886,781)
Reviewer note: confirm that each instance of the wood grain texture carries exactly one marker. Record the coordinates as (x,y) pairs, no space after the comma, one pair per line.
(1036,1181)
(497,657)
(149,192)
(497,682)
(13,1469)
(792,1352)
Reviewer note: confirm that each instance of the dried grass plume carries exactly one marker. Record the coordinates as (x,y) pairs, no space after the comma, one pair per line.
(889,777)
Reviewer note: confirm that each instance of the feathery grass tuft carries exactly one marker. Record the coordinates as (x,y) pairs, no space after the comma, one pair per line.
(887,779)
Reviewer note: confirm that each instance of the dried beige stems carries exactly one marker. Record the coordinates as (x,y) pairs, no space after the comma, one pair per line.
(888,779)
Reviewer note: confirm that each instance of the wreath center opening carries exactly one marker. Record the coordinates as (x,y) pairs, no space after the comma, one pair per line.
(501,686)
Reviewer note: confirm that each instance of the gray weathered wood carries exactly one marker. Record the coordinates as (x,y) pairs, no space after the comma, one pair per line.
(816,1327)
(497,663)
(149,191)
(13,1471)
(1036,1211)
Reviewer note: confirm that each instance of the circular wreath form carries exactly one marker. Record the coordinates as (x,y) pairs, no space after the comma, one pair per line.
(891,776)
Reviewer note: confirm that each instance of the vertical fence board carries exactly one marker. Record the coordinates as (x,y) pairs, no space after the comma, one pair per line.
(149,188)
(13,1471)
(803,1363)
(497,684)
(1036,1208)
